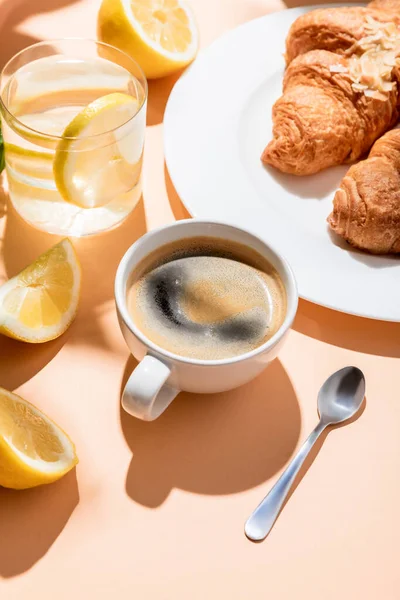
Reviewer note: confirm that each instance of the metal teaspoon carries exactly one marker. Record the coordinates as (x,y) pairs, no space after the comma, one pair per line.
(338,400)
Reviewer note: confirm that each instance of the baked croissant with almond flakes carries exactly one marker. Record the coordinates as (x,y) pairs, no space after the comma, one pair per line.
(340,89)
(321,120)
(366,207)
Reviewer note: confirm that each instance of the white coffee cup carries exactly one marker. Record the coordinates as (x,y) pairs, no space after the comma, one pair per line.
(160,374)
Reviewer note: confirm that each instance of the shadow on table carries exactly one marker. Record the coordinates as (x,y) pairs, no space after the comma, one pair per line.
(295,3)
(158,94)
(213,444)
(15,12)
(99,255)
(19,361)
(31,520)
(177,207)
(368,336)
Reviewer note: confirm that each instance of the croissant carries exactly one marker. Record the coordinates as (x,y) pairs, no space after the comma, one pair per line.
(366,207)
(339,91)
(334,29)
(321,120)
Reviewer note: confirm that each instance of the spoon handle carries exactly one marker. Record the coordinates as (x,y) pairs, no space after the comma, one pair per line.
(260,522)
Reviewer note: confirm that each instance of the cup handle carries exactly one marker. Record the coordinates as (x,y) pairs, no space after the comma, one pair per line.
(146,394)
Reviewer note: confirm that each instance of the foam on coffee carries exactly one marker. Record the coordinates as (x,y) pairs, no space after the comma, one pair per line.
(207,298)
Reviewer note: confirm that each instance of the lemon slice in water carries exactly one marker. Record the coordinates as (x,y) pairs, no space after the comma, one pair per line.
(40,303)
(90,172)
(33,449)
(29,163)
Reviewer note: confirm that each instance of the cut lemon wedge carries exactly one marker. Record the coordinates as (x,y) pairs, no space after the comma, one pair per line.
(33,449)
(91,176)
(40,303)
(161,35)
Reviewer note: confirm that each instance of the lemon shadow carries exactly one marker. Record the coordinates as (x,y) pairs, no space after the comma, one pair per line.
(158,94)
(31,521)
(20,361)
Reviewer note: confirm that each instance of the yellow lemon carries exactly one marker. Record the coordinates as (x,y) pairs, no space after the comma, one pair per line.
(33,449)
(40,303)
(161,35)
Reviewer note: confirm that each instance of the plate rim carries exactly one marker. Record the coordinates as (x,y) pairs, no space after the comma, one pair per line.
(299,10)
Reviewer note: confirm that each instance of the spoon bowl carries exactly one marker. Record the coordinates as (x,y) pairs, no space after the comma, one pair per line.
(341,396)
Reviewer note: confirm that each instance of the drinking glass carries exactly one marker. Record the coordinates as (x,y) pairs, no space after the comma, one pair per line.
(73,115)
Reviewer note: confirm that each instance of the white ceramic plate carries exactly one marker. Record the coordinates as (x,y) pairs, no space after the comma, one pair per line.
(217,122)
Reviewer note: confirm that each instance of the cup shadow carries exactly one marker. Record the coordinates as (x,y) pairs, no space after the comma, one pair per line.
(31,520)
(368,336)
(213,444)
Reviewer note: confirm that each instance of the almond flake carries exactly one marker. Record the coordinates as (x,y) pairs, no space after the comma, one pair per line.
(375,95)
(338,69)
(371,69)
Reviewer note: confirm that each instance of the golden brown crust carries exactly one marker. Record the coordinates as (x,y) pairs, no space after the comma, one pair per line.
(366,207)
(392,6)
(320,120)
(333,29)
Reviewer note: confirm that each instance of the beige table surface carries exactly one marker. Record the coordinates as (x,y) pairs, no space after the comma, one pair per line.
(156,511)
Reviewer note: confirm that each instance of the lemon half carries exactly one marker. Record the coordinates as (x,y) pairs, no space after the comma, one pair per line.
(161,35)
(33,449)
(40,303)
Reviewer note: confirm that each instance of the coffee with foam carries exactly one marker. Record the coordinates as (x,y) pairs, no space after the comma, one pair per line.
(207,298)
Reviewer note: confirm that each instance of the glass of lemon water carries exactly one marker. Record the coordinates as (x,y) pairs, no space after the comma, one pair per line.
(73,120)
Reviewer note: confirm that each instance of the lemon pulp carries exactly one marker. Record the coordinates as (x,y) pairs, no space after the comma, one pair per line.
(33,449)
(161,35)
(40,303)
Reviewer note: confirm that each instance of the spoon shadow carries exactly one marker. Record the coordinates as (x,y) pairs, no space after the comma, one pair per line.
(312,455)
